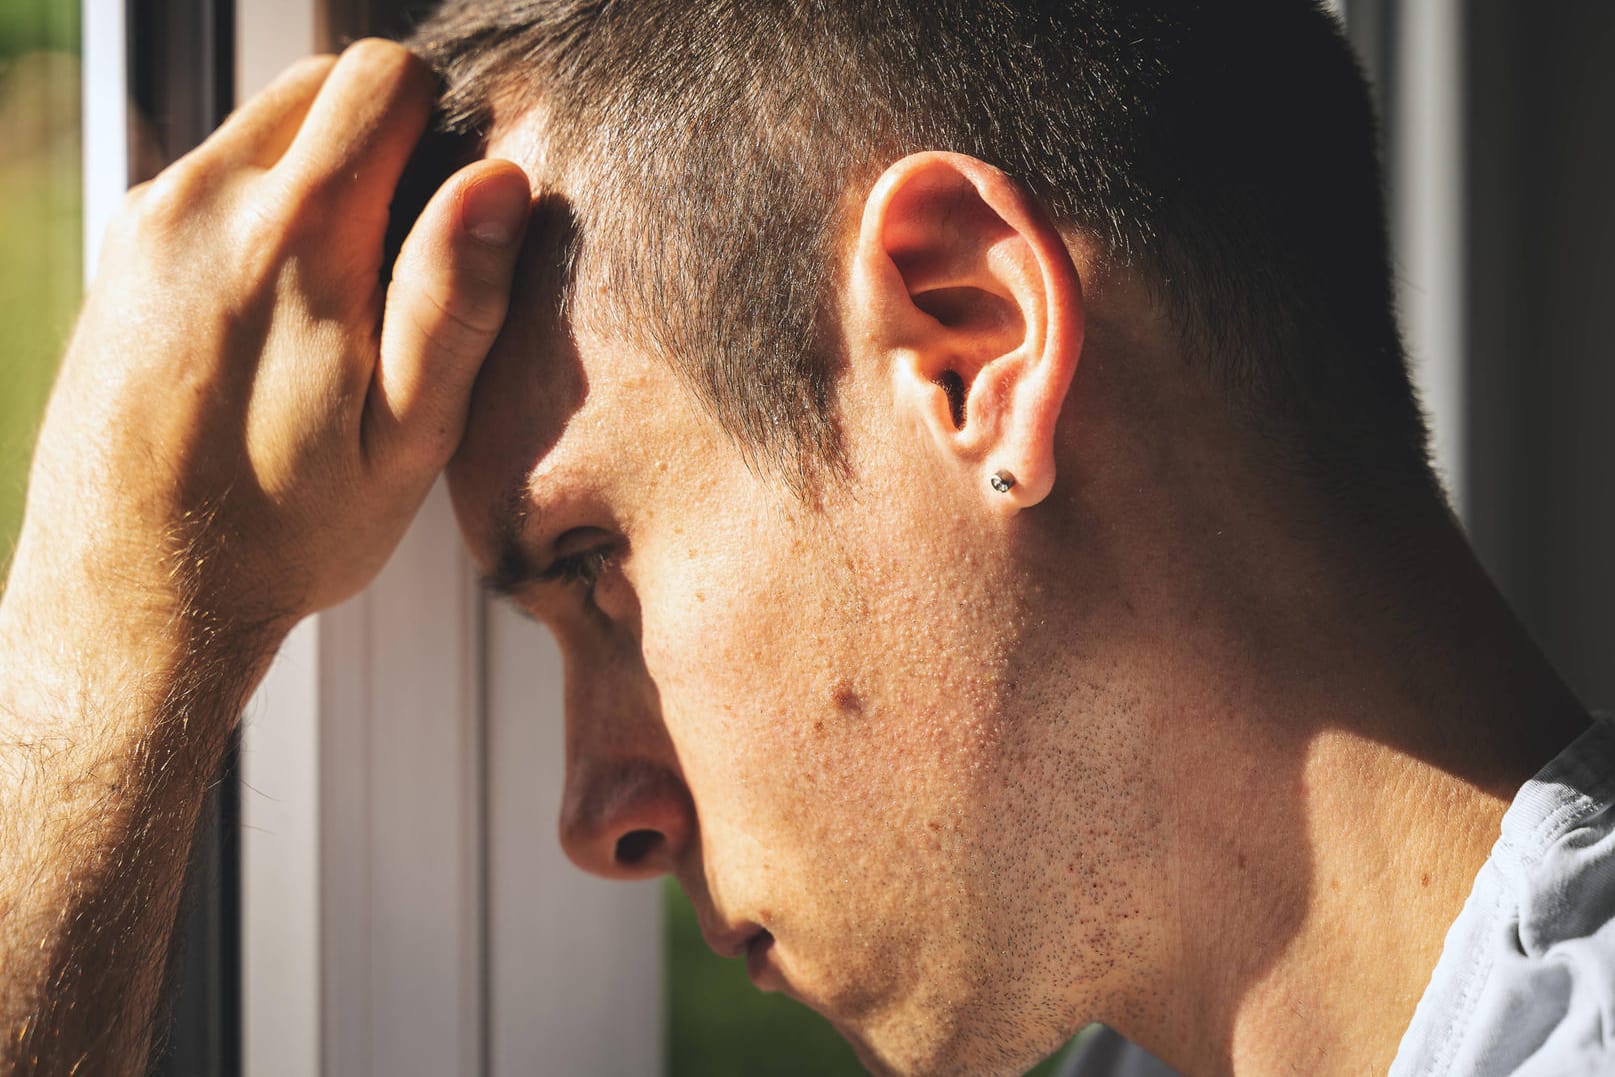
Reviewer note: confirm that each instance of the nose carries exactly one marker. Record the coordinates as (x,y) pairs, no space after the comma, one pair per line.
(626,812)
(627,819)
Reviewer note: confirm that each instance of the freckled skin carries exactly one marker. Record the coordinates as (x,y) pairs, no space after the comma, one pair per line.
(987,776)
(849,713)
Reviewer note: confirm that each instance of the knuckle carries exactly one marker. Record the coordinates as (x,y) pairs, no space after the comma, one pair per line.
(165,202)
(311,65)
(132,207)
(263,230)
(174,187)
(386,62)
(307,210)
(371,50)
(324,201)
(263,241)
(285,208)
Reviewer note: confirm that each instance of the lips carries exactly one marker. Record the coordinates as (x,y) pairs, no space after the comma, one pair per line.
(728,941)
(759,950)
(751,941)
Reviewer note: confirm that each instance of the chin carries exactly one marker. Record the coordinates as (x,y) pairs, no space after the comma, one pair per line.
(903,1063)
(927,1045)
(910,1009)
(878,1062)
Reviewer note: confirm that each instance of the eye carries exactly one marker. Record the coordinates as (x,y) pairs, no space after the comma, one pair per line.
(581,567)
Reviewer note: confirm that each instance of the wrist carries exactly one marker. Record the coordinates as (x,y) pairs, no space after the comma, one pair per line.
(77,652)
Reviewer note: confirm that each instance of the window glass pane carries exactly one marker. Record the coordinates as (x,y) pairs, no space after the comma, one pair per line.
(40,229)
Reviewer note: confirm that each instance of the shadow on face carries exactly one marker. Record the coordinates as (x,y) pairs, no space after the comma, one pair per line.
(530,387)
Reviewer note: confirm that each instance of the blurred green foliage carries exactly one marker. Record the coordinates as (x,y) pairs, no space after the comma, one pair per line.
(33,25)
(41,232)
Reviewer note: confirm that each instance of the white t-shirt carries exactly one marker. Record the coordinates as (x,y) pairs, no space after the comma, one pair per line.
(1526,980)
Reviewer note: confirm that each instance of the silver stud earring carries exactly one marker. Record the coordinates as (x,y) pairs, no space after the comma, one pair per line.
(1002,481)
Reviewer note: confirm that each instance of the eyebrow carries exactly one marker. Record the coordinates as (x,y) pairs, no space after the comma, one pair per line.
(513,570)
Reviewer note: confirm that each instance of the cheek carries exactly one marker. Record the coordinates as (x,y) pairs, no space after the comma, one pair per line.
(723,644)
(809,691)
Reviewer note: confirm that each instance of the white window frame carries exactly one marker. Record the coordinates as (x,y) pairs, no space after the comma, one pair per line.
(1427,151)
(1423,121)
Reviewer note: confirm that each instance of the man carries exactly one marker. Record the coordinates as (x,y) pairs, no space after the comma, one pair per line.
(966,458)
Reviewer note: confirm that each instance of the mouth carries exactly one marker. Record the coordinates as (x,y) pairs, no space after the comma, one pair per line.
(759,950)
(756,945)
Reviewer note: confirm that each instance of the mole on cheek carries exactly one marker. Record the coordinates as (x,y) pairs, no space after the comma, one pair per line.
(846,698)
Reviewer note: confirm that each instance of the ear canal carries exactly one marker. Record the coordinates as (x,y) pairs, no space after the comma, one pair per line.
(954,386)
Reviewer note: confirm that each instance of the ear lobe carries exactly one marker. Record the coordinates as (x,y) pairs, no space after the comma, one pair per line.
(975,306)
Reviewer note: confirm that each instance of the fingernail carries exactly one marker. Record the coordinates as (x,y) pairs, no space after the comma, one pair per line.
(493,212)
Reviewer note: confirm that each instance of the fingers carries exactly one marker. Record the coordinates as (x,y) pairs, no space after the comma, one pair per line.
(366,119)
(259,131)
(446,304)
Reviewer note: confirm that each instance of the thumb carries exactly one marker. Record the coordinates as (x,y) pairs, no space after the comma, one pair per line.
(445,305)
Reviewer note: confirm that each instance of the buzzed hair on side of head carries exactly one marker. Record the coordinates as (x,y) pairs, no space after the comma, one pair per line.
(1223,150)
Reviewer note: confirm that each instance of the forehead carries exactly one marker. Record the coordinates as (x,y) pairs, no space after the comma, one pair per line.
(567,424)
(571,424)
(575,420)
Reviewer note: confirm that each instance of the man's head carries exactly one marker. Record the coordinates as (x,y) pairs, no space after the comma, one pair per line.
(812,273)
(1222,152)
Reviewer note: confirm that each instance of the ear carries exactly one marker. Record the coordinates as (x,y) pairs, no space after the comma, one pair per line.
(964,288)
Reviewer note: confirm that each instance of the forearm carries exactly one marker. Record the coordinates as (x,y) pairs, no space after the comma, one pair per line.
(243,426)
(107,745)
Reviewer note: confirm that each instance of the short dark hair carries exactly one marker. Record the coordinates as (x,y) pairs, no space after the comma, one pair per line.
(1225,150)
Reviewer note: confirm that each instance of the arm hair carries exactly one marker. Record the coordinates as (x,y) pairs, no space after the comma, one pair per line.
(102,778)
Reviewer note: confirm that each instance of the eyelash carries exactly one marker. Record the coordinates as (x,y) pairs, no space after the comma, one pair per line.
(584,567)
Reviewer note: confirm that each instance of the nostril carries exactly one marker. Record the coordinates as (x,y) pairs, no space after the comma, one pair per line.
(634,847)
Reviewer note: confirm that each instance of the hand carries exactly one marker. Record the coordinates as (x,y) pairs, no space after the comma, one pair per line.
(244,424)
(247,419)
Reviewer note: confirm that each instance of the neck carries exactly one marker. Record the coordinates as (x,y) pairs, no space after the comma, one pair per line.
(1350,742)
